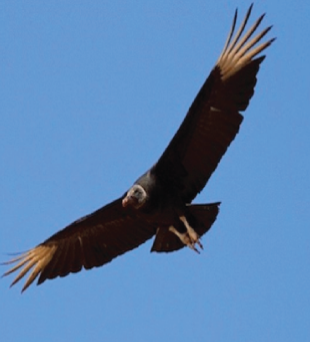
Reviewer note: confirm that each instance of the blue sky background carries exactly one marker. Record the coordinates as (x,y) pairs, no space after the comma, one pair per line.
(91,92)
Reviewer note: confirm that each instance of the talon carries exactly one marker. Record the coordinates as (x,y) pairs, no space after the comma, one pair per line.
(194,248)
(199,244)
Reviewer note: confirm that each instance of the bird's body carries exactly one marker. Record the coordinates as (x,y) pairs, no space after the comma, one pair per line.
(160,201)
(165,207)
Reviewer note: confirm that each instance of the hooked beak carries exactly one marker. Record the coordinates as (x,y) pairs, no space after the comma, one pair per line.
(125,201)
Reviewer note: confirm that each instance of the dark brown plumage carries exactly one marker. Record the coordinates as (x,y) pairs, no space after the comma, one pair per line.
(159,203)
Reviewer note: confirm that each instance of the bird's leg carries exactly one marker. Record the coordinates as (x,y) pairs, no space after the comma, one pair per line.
(185,238)
(193,236)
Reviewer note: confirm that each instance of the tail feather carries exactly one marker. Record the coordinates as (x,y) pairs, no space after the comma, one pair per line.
(204,216)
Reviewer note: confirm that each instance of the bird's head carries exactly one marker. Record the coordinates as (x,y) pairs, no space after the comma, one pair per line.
(135,197)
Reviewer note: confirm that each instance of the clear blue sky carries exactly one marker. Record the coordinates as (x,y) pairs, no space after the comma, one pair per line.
(91,92)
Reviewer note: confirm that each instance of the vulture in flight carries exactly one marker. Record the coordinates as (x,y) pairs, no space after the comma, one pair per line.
(159,202)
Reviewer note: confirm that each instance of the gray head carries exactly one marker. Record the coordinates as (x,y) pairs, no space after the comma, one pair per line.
(135,197)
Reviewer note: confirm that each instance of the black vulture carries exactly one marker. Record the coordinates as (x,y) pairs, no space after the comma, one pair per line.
(159,202)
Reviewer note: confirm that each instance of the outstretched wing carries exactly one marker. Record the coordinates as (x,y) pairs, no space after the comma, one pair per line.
(213,119)
(91,241)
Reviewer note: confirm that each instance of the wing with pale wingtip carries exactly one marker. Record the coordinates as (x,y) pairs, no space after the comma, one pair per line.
(214,118)
(91,241)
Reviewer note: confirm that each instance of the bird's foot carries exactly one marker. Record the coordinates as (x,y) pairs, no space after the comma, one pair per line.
(190,238)
(193,236)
